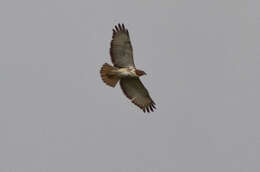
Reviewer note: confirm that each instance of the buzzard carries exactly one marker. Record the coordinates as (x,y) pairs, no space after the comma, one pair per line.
(124,70)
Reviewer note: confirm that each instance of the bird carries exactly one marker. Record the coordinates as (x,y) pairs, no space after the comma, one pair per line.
(124,70)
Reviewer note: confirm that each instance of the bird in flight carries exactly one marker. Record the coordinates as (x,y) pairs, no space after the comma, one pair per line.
(124,70)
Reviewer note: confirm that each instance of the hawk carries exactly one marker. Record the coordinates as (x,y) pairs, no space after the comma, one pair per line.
(124,71)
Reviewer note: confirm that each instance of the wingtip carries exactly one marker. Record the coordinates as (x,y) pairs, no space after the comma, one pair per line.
(147,108)
(120,27)
(116,28)
(150,108)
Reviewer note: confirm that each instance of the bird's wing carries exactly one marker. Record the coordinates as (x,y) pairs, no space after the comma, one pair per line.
(134,89)
(121,50)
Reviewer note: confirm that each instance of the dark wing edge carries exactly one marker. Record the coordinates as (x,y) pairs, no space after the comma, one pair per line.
(120,29)
(149,106)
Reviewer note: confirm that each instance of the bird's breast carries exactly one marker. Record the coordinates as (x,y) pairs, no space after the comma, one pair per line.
(126,72)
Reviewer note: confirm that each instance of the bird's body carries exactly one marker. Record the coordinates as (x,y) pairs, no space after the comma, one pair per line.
(127,72)
(124,70)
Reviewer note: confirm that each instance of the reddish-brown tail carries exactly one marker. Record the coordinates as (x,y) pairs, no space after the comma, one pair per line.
(108,75)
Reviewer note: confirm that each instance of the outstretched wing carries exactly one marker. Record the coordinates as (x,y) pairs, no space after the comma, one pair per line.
(134,89)
(121,50)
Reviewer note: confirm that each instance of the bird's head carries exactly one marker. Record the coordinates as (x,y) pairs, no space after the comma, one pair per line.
(139,72)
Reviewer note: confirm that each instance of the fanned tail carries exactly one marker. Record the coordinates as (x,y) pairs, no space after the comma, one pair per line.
(108,75)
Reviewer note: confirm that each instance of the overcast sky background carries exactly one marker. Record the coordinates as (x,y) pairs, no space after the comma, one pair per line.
(203,63)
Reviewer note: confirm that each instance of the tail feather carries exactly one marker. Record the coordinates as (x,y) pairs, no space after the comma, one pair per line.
(108,75)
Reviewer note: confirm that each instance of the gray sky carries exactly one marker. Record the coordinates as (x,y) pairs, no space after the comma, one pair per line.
(203,63)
